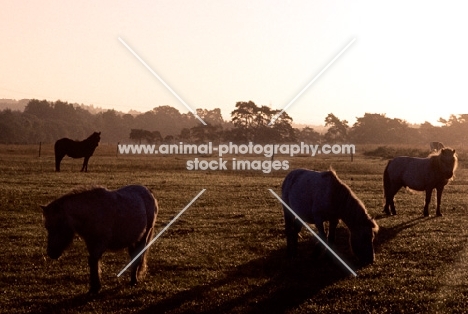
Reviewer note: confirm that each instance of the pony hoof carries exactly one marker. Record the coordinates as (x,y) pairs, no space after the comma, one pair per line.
(439,215)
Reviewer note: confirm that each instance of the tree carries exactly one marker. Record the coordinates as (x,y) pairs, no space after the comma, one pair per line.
(205,133)
(252,122)
(338,129)
(185,134)
(379,129)
(41,109)
(308,134)
(140,134)
(455,130)
(212,117)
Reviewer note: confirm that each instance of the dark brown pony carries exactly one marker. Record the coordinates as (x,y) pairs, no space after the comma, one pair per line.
(317,197)
(76,149)
(419,174)
(105,220)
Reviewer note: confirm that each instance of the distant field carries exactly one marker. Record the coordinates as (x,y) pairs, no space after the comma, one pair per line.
(227,252)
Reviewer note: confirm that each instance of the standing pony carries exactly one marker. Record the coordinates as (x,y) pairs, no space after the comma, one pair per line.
(436,146)
(105,220)
(76,149)
(420,174)
(317,197)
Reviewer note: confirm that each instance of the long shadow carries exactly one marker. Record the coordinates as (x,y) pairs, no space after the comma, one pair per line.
(75,302)
(386,234)
(270,284)
(287,283)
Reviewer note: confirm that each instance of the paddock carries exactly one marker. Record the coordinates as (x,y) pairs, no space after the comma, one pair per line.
(227,252)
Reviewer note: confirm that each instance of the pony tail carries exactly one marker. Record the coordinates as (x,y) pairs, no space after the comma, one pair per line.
(386,179)
(375,226)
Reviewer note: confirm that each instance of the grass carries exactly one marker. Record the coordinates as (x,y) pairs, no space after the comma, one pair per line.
(226,253)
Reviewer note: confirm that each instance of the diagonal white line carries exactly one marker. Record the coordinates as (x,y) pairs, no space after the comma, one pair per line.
(162,231)
(310,83)
(161,80)
(312,231)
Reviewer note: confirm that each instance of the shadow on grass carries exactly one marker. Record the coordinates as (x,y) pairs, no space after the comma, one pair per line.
(274,284)
(266,284)
(386,234)
(79,301)
(270,284)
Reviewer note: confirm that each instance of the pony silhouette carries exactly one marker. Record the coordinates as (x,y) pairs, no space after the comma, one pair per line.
(76,149)
(105,220)
(317,197)
(419,174)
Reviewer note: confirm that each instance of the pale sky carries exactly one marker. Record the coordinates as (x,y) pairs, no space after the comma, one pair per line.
(409,58)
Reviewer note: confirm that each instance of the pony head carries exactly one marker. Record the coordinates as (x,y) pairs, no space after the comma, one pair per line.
(362,242)
(60,234)
(446,162)
(95,138)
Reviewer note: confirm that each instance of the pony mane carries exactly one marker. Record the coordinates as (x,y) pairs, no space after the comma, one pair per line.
(443,151)
(95,137)
(86,189)
(435,158)
(343,195)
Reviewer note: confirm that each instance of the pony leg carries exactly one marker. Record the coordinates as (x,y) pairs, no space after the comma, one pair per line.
(439,198)
(292,229)
(141,271)
(321,229)
(58,160)
(387,185)
(319,249)
(133,251)
(332,231)
(392,206)
(389,207)
(85,164)
(95,274)
(138,268)
(427,202)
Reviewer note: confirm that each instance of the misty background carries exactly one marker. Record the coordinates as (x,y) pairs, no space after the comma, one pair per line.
(33,121)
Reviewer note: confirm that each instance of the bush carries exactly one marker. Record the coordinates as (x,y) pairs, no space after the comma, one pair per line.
(390,152)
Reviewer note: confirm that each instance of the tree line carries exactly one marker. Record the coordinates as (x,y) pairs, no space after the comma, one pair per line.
(45,121)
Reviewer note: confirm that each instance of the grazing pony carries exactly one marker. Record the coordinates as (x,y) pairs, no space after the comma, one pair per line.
(76,149)
(419,174)
(317,197)
(105,220)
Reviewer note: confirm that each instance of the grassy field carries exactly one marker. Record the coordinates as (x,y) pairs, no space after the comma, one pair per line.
(227,252)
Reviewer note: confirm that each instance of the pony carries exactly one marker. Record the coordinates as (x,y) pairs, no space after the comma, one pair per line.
(436,146)
(76,149)
(419,174)
(317,197)
(105,220)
